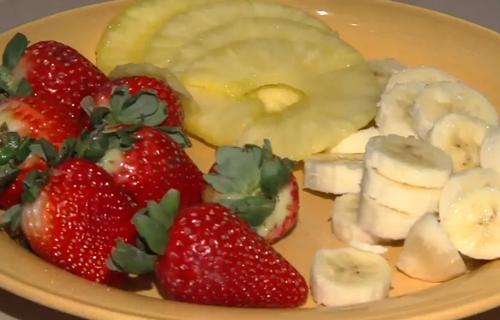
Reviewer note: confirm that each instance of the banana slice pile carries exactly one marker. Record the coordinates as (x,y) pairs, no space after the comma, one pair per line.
(427,172)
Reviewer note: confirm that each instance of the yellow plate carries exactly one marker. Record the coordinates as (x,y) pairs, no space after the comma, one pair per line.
(378,29)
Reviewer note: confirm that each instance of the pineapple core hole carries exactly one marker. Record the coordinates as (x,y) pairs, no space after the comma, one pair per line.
(277,97)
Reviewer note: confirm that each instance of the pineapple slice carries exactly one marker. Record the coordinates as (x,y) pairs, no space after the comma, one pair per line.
(190,25)
(325,91)
(125,38)
(245,29)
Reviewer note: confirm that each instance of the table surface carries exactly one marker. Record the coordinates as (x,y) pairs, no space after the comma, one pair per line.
(16,12)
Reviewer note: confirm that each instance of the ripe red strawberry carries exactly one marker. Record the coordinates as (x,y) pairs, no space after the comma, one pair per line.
(50,70)
(258,186)
(39,119)
(76,218)
(154,164)
(212,257)
(136,84)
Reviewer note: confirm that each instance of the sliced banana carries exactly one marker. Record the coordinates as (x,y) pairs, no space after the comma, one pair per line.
(428,254)
(489,155)
(460,136)
(356,142)
(462,183)
(342,277)
(408,160)
(421,74)
(473,223)
(333,173)
(439,99)
(393,116)
(399,196)
(384,69)
(345,221)
(382,221)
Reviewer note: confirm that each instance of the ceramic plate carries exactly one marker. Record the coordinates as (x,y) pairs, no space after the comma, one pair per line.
(378,29)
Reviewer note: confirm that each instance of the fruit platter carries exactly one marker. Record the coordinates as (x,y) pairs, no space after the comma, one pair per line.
(165,159)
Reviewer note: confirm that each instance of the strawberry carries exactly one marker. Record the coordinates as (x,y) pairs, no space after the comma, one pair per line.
(50,70)
(73,221)
(136,84)
(145,161)
(39,119)
(208,255)
(258,186)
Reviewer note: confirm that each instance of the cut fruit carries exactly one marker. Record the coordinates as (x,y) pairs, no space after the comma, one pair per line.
(194,24)
(339,92)
(125,38)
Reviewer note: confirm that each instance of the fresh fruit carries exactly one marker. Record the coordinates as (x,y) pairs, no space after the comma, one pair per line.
(208,255)
(257,186)
(12,181)
(74,220)
(345,224)
(203,20)
(393,116)
(151,165)
(51,71)
(425,75)
(334,173)
(428,253)
(439,99)
(460,136)
(473,225)
(126,37)
(384,69)
(400,196)
(408,160)
(489,156)
(356,142)
(330,92)
(347,276)
(136,84)
(462,183)
(384,222)
(39,119)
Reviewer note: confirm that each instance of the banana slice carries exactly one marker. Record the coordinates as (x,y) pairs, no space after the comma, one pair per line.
(425,75)
(347,276)
(439,99)
(384,69)
(460,136)
(428,254)
(333,173)
(473,224)
(462,183)
(489,155)
(345,221)
(408,160)
(356,142)
(382,221)
(399,196)
(393,116)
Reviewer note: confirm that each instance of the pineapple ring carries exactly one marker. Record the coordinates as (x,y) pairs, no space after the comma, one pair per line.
(125,38)
(339,94)
(192,24)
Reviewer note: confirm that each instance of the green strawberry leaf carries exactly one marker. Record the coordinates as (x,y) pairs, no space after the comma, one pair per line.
(11,219)
(253,210)
(45,149)
(14,51)
(166,210)
(127,258)
(177,135)
(67,150)
(8,174)
(153,232)
(24,149)
(98,115)
(23,89)
(141,108)
(10,143)
(33,184)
